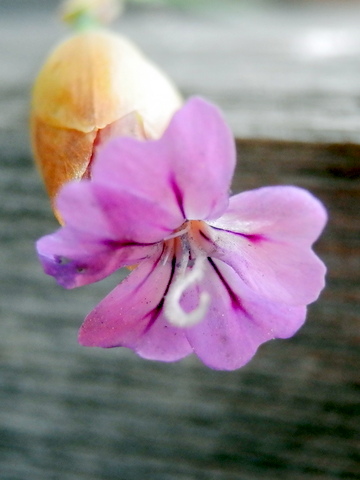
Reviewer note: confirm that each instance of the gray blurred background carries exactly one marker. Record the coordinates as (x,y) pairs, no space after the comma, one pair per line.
(287,76)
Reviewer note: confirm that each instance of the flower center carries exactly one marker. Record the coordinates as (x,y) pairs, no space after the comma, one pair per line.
(182,230)
(190,261)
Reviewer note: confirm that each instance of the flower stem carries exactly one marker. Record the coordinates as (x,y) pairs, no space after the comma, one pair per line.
(88,14)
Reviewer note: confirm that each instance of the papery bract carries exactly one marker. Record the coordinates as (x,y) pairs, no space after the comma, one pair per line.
(214,277)
(95,85)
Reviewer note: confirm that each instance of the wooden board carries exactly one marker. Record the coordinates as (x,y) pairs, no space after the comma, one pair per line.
(74,413)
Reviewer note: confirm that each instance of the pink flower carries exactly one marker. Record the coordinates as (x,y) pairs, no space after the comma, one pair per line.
(214,276)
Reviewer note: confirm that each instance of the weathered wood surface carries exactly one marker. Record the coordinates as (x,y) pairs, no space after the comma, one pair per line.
(72,413)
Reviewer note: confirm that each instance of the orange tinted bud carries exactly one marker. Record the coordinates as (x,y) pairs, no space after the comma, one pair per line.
(94,86)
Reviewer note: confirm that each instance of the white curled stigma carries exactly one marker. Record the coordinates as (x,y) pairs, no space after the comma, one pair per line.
(172,308)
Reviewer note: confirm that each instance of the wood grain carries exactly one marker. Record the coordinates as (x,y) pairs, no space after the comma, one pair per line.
(74,413)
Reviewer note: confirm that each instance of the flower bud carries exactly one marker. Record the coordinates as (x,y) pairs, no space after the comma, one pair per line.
(94,86)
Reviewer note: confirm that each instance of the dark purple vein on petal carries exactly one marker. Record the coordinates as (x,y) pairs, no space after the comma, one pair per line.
(203,235)
(235,301)
(253,237)
(155,264)
(178,195)
(120,244)
(155,312)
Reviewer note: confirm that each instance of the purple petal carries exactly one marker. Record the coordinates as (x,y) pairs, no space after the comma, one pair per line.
(266,236)
(105,230)
(75,260)
(282,212)
(238,320)
(189,169)
(104,212)
(132,316)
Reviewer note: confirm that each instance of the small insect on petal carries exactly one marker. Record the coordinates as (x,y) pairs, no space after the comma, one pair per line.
(95,85)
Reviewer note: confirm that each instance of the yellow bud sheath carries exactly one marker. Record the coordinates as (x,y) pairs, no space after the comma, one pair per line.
(95,85)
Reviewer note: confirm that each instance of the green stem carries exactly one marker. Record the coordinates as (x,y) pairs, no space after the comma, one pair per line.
(83,20)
